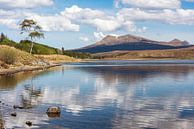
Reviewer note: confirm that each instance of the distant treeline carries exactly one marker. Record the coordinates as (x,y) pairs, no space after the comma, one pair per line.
(79,55)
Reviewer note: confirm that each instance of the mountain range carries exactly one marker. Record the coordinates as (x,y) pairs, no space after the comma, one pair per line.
(131,43)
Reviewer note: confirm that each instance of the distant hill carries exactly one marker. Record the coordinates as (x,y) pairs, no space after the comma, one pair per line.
(131,43)
(182,53)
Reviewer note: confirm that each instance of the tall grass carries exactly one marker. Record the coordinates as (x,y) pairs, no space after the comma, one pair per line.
(8,55)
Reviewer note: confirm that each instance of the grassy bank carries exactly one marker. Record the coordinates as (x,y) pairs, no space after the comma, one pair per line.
(13,60)
(10,56)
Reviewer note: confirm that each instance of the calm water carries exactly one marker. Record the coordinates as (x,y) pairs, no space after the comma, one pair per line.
(103,95)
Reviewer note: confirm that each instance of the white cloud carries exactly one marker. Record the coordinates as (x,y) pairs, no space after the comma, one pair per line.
(10,23)
(104,24)
(178,16)
(83,38)
(98,36)
(124,19)
(151,4)
(70,20)
(24,3)
(189,0)
(55,23)
(96,18)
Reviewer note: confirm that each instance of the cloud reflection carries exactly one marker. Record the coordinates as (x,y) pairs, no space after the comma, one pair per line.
(142,97)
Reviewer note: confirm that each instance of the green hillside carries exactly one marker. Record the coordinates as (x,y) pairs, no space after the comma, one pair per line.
(24,45)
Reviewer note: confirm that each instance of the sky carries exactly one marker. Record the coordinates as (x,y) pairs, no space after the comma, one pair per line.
(77,23)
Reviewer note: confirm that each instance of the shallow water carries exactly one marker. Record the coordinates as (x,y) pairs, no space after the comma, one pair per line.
(103,95)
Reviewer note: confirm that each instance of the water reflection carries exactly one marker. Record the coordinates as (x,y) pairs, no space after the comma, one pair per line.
(1,121)
(110,97)
(30,97)
(9,82)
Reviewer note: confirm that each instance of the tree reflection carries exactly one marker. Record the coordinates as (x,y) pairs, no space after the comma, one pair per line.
(31,96)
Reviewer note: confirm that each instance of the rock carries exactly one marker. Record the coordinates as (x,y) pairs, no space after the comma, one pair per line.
(13,114)
(18,107)
(53,110)
(29,123)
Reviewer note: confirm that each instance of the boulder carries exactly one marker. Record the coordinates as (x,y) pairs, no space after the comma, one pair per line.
(53,111)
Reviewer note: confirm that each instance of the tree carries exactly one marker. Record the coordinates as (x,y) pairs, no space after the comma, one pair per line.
(63,50)
(33,30)
(2,37)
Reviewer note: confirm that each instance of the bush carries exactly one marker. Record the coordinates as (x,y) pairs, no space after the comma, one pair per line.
(8,56)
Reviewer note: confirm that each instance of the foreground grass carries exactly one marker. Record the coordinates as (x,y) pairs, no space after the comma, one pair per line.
(13,56)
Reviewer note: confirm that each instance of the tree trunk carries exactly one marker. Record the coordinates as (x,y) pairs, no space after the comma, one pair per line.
(32,44)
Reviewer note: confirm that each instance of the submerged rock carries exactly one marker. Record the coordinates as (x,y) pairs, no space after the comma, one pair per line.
(13,114)
(53,111)
(29,123)
(18,107)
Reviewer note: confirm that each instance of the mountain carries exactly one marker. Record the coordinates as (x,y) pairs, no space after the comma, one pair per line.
(130,43)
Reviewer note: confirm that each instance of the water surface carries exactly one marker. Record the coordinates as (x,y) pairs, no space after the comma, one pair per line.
(103,95)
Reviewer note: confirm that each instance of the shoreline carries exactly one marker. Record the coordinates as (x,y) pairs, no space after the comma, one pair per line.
(28,68)
(12,71)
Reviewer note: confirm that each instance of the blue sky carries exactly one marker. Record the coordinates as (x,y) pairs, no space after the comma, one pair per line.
(77,23)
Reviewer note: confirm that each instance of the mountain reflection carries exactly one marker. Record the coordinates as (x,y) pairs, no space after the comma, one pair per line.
(130,74)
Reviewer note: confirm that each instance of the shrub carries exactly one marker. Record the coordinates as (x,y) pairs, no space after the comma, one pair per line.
(8,56)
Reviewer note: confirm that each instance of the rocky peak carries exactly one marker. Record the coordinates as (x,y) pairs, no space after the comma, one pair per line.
(177,42)
(112,40)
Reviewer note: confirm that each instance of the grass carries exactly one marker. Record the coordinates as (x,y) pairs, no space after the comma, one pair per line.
(149,54)
(8,56)
(57,58)
(13,56)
